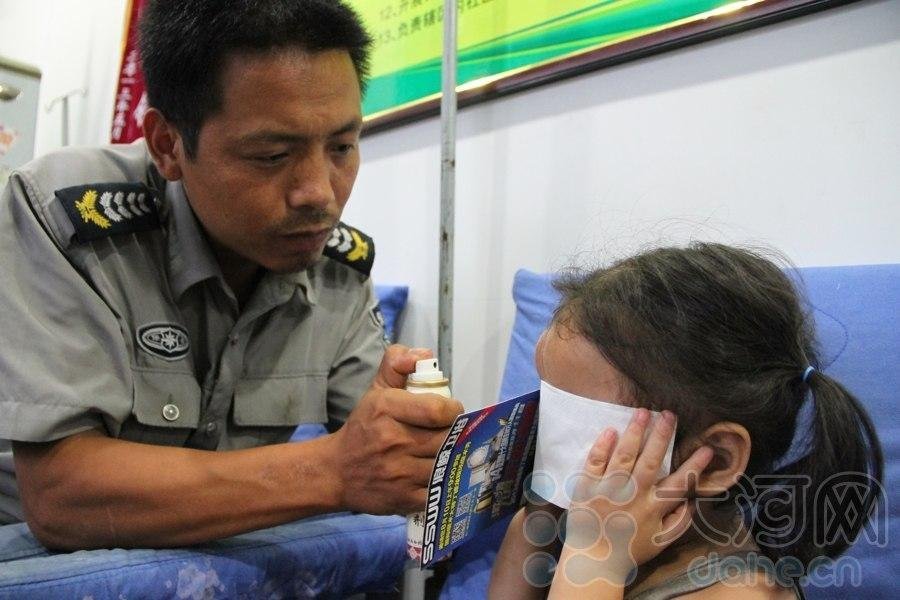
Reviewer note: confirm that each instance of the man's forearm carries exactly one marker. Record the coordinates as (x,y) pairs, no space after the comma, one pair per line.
(91,491)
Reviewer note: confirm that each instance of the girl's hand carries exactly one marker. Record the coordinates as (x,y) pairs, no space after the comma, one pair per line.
(524,565)
(620,516)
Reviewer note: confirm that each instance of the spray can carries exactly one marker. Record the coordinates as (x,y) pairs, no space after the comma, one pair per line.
(428,379)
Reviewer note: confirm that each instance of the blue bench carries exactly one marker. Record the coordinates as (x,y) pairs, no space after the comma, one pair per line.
(330,556)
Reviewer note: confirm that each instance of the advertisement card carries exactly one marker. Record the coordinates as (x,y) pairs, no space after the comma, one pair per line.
(479,473)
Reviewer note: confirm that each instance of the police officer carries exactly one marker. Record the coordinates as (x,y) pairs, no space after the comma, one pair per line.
(165,299)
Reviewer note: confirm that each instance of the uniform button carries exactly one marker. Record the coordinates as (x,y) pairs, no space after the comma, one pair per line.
(211,428)
(170,412)
(233,340)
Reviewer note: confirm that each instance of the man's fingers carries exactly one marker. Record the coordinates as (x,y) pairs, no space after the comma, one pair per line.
(418,501)
(398,362)
(423,468)
(647,467)
(420,477)
(430,411)
(427,442)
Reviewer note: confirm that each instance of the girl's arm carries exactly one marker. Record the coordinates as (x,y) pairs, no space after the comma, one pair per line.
(511,577)
(576,579)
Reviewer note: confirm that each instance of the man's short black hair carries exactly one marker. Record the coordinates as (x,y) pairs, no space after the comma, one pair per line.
(184,45)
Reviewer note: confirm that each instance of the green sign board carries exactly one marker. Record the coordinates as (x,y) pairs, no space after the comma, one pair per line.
(500,38)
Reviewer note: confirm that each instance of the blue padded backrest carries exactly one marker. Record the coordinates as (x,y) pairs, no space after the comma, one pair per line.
(392,299)
(857,314)
(535,301)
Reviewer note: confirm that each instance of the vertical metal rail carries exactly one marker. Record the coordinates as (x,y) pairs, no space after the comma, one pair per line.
(413,578)
(448,189)
(64,101)
(65,121)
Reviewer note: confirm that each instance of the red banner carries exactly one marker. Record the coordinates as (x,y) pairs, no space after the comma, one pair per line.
(131,99)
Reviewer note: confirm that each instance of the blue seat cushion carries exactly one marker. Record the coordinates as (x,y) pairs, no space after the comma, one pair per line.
(331,556)
(857,315)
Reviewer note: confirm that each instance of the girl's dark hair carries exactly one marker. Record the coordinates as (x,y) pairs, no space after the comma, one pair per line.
(184,44)
(717,333)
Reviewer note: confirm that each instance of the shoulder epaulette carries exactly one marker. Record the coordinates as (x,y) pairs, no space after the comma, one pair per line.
(351,247)
(104,209)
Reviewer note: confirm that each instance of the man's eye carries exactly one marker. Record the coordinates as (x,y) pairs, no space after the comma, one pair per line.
(344,148)
(270,159)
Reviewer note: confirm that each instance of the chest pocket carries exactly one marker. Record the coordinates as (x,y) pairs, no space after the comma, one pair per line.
(281,401)
(166,407)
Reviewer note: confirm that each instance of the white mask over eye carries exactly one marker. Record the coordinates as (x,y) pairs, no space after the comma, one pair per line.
(568,425)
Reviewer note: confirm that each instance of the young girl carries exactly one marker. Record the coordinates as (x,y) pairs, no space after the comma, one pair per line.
(715,336)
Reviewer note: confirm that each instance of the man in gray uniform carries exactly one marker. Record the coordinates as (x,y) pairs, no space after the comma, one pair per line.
(165,299)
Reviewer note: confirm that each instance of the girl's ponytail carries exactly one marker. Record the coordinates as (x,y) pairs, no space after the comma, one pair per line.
(835,487)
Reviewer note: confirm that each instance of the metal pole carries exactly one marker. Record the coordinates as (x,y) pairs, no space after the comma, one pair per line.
(64,101)
(448,189)
(414,579)
(65,121)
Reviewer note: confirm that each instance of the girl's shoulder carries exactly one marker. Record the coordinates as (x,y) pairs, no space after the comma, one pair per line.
(754,586)
(731,576)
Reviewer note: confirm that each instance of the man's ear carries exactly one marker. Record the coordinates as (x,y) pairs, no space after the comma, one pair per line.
(164,143)
(731,447)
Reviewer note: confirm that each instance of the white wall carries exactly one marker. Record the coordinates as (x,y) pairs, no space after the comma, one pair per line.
(787,136)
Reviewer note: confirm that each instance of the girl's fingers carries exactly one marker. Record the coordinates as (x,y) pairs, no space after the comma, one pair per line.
(678,486)
(601,451)
(629,446)
(675,524)
(646,469)
(591,476)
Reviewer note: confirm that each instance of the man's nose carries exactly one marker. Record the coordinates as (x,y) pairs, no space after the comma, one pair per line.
(311,182)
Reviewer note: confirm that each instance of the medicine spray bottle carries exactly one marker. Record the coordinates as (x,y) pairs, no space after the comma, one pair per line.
(428,379)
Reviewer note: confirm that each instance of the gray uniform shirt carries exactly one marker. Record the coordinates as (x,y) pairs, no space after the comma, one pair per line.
(138,335)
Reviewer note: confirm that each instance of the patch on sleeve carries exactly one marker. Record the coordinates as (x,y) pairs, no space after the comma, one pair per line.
(106,209)
(379,322)
(351,247)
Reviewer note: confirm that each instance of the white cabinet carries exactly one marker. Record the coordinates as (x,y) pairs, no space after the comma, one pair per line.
(19,85)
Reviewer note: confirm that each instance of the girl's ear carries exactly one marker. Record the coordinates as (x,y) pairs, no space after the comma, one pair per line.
(164,144)
(731,446)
